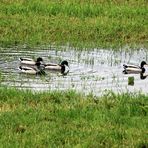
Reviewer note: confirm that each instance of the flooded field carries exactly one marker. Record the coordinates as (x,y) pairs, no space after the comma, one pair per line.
(95,71)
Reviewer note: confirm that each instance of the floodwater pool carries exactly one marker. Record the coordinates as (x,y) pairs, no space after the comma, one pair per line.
(91,71)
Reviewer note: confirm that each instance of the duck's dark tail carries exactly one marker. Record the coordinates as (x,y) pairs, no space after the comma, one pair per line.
(124,66)
(124,72)
(20,59)
(20,68)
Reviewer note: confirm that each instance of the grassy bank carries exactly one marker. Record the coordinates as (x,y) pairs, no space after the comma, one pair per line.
(68,119)
(80,23)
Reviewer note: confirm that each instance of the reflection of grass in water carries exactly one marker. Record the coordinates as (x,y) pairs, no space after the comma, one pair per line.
(24,79)
(56,60)
(88,61)
(63,119)
(92,77)
(2,77)
(99,78)
(7,58)
(49,57)
(106,23)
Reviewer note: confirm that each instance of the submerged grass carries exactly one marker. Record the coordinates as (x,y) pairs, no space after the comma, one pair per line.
(87,23)
(68,119)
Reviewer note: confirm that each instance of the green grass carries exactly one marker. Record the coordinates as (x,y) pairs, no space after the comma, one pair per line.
(79,23)
(70,119)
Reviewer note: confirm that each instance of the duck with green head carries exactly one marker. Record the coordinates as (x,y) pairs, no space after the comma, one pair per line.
(134,69)
(63,67)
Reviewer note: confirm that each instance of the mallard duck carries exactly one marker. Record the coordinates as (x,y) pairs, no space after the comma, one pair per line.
(134,69)
(32,70)
(63,67)
(29,61)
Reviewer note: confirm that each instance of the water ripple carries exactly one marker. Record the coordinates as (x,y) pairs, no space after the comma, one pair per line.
(94,71)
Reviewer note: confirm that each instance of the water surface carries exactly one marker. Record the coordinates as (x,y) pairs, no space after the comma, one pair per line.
(95,71)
